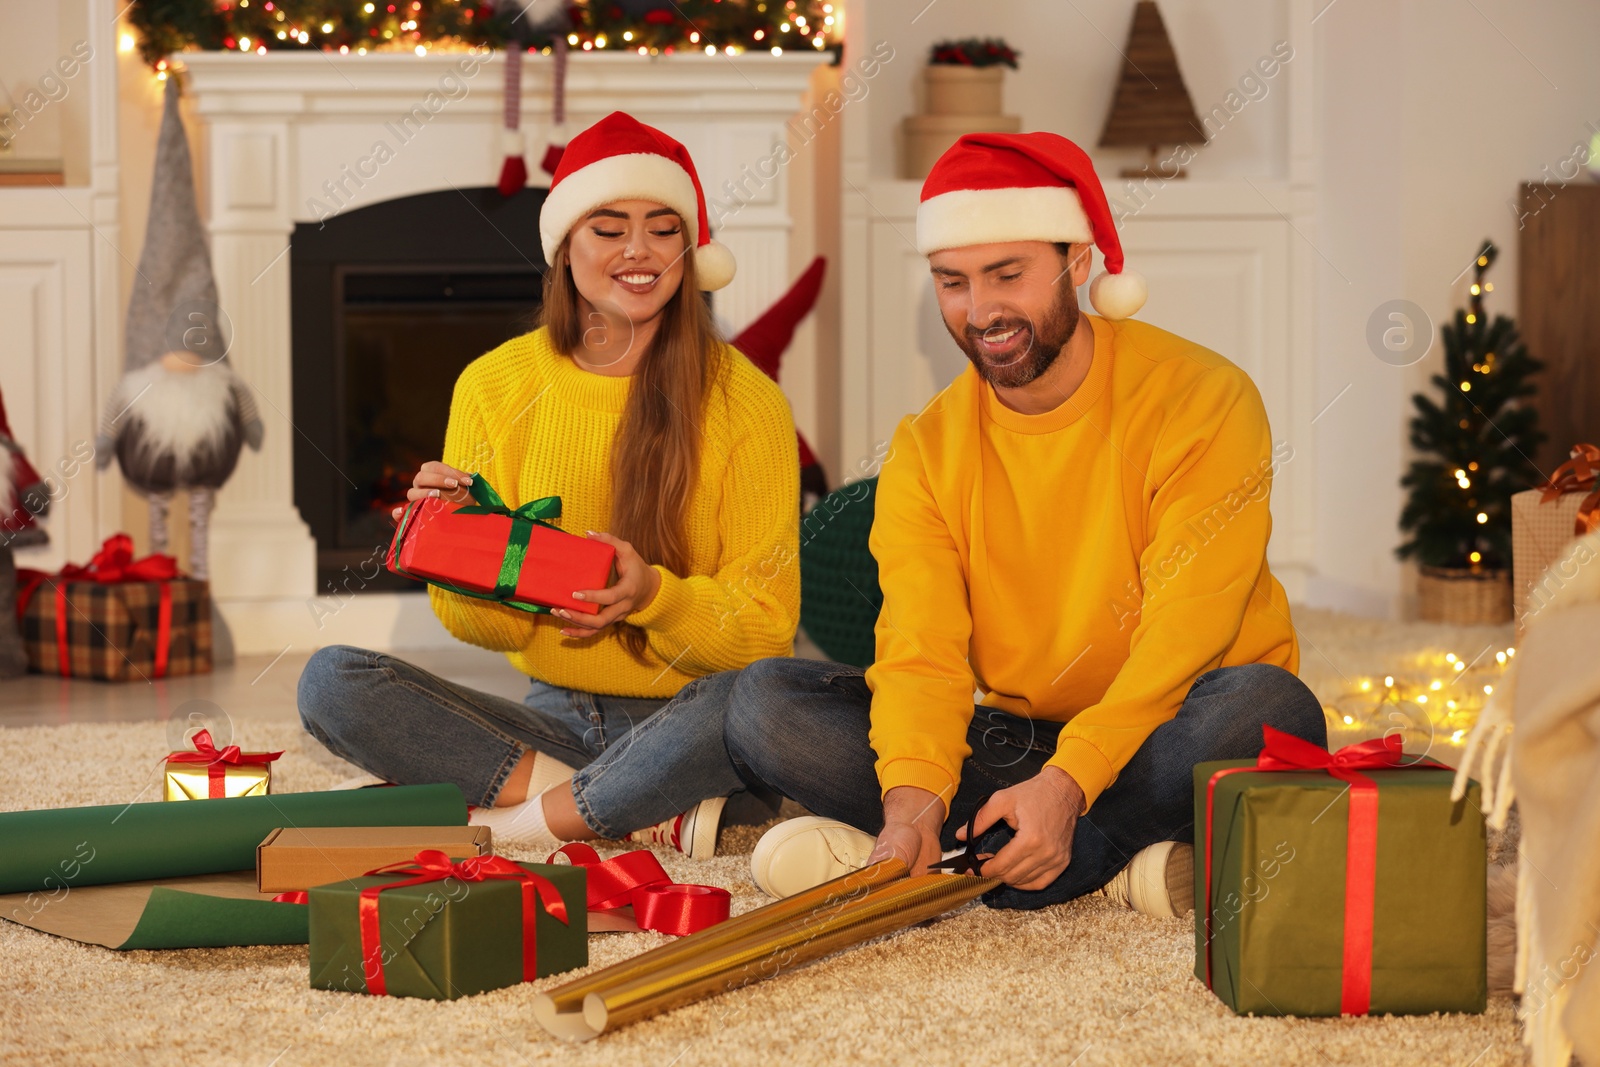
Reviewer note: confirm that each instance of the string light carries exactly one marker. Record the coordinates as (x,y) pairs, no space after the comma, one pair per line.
(360,26)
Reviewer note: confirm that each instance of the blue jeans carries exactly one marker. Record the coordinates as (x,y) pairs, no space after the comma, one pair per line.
(639,764)
(800,727)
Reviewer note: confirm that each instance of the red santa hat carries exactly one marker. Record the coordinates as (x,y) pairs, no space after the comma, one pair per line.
(620,158)
(995,187)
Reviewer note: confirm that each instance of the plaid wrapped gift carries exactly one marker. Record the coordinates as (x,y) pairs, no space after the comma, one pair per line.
(117,619)
(1544,522)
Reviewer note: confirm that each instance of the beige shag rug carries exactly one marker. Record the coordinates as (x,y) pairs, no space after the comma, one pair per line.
(1078,984)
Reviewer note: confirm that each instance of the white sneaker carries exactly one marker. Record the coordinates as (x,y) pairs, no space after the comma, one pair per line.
(1159,881)
(805,852)
(694,833)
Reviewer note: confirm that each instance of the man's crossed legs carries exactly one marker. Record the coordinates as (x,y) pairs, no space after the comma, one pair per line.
(800,727)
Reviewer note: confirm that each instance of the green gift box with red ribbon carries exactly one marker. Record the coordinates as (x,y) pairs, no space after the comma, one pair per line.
(444,928)
(1343,883)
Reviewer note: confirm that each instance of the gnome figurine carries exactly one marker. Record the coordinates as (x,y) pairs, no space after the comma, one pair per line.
(180,415)
(24,497)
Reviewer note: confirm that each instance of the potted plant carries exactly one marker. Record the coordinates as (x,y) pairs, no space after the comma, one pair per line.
(964,77)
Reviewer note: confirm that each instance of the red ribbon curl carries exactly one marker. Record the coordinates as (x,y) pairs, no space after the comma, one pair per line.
(637,880)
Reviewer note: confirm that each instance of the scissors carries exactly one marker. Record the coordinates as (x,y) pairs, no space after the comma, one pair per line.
(967,861)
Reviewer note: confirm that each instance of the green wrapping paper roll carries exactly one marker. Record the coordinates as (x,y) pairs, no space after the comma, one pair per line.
(44,851)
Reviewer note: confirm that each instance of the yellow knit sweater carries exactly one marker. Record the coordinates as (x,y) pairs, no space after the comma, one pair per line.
(535,424)
(1084,565)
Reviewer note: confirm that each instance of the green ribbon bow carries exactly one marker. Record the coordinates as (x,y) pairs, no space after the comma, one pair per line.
(523,520)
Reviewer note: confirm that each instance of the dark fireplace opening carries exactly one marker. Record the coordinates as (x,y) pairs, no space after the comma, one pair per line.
(390,302)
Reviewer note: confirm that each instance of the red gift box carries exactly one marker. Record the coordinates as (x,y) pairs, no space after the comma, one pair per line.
(481,549)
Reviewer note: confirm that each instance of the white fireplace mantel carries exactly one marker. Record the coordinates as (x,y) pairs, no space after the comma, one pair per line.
(293,137)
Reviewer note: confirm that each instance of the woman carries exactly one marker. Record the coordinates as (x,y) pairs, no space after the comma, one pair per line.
(627,406)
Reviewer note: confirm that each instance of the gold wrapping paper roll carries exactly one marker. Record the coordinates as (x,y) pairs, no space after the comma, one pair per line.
(765,953)
(568,998)
(192,781)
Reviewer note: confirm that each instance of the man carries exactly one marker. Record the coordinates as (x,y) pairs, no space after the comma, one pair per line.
(1076,528)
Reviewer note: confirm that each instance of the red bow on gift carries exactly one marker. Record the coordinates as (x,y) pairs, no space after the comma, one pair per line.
(112,564)
(1580,472)
(205,751)
(637,880)
(1285,752)
(431,865)
(115,563)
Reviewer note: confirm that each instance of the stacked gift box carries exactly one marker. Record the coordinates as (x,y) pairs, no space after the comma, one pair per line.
(1544,523)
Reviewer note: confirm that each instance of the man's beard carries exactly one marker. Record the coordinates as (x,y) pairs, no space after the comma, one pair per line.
(1040,349)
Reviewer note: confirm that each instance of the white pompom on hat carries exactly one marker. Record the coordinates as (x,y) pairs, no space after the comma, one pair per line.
(620,158)
(995,187)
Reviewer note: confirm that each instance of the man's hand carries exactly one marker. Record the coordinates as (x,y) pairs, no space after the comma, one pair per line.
(912,818)
(1044,813)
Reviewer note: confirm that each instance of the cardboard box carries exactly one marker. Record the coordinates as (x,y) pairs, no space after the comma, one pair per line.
(299,858)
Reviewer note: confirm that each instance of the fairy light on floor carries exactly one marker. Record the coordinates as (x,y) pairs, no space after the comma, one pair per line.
(1433,702)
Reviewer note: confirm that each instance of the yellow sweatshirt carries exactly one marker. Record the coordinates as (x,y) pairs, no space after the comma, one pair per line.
(1083,566)
(535,424)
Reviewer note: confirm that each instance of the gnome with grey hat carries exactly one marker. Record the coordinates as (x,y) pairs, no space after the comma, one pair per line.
(179,417)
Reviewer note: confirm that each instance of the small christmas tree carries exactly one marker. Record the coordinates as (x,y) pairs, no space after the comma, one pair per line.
(1474,449)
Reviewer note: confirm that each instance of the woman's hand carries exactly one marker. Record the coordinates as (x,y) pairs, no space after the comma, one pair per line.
(437,479)
(636,586)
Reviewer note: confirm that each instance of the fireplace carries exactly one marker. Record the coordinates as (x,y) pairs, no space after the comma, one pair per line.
(389,303)
(286,139)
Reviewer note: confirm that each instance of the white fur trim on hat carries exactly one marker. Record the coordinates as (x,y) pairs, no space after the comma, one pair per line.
(713,265)
(989,216)
(634,176)
(1118,296)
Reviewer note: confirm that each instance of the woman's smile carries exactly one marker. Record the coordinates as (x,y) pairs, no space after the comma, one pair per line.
(636,280)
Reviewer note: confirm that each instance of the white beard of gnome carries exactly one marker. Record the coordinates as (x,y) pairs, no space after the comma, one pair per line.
(177,426)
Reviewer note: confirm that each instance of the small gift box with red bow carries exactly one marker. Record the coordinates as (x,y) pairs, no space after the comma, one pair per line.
(209,772)
(444,928)
(1544,522)
(492,551)
(117,619)
(1343,883)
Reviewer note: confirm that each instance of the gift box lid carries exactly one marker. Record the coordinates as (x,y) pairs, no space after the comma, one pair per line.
(294,858)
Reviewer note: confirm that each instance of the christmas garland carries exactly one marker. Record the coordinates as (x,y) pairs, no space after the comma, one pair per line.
(650,27)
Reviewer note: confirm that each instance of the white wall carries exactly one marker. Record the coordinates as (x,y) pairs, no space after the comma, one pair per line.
(1430,114)
(1070,61)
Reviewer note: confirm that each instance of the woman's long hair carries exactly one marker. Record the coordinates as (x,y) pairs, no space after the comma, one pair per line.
(655,457)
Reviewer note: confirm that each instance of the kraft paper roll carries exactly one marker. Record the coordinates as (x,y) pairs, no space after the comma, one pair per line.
(59,849)
(762,954)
